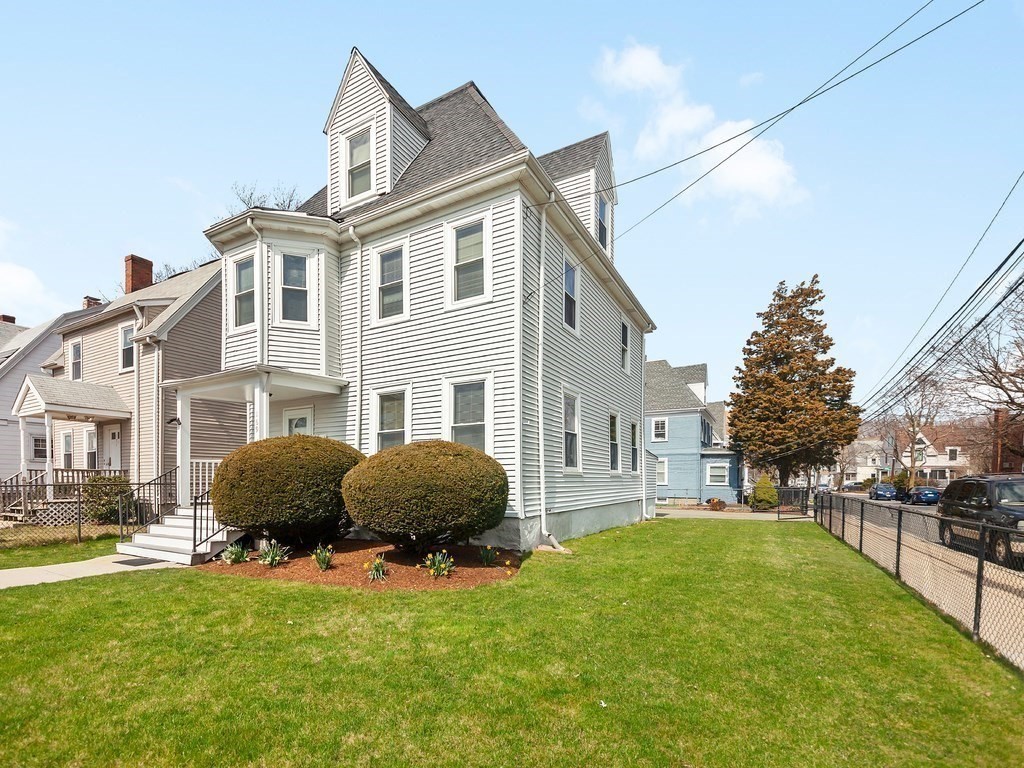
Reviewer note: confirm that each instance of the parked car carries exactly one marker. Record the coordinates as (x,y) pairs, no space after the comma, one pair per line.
(852,487)
(996,500)
(882,492)
(923,494)
(824,489)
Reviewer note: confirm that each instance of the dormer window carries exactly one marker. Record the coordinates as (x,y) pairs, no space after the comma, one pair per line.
(359,178)
(602,221)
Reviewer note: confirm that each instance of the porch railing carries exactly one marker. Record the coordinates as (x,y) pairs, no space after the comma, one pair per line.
(17,492)
(145,503)
(204,526)
(80,476)
(201,473)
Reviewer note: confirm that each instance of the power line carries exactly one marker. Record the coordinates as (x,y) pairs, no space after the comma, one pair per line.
(948,287)
(819,92)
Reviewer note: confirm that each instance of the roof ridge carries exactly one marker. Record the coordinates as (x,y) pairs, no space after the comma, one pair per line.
(500,124)
(576,143)
(393,94)
(452,92)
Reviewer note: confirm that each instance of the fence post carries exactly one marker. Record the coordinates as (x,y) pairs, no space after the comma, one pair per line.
(830,514)
(79,514)
(979,583)
(899,538)
(842,524)
(860,542)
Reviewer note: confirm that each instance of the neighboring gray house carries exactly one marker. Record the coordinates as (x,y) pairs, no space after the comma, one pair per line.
(445,283)
(103,397)
(23,351)
(688,435)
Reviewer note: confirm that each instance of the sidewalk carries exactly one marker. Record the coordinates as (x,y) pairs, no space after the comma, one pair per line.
(98,566)
(707,514)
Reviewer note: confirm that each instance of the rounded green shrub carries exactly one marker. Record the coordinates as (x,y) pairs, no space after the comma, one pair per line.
(764,495)
(285,488)
(426,493)
(100,497)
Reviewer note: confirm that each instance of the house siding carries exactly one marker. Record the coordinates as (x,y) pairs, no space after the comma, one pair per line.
(578,191)
(10,430)
(681,449)
(406,144)
(240,347)
(605,181)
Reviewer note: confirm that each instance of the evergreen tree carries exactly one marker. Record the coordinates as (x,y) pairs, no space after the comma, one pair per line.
(792,408)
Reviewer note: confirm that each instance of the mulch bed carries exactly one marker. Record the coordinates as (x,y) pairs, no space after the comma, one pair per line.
(350,556)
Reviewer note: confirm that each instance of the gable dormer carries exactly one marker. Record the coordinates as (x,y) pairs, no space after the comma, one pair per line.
(372,136)
(585,175)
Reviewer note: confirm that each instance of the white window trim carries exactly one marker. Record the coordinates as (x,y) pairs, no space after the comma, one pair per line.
(578,469)
(448,384)
(656,481)
(579,291)
(629,343)
(312,257)
(232,283)
(344,147)
(659,439)
(121,348)
(375,394)
(298,410)
(71,359)
(618,443)
(633,425)
(32,451)
(597,220)
(953,448)
(449,260)
(375,251)
(707,475)
(67,433)
(96,441)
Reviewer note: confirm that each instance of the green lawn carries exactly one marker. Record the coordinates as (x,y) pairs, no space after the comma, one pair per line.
(62,552)
(710,643)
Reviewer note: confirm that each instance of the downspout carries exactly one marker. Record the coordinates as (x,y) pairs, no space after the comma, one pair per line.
(261,281)
(136,415)
(545,533)
(359,339)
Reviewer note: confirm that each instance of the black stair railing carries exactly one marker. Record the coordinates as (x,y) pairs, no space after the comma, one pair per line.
(204,526)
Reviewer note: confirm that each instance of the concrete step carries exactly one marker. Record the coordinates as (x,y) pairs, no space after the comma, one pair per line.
(170,554)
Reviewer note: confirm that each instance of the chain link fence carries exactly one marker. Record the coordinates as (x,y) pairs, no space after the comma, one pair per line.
(948,561)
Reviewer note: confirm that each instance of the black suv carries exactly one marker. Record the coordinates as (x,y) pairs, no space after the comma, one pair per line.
(996,500)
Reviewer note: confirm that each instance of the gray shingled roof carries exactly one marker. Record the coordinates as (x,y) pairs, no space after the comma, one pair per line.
(465,133)
(667,388)
(76,394)
(396,98)
(8,331)
(575,158)
(16,347)
(718,413)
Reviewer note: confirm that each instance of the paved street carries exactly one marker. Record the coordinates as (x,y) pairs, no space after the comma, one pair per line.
(945,577)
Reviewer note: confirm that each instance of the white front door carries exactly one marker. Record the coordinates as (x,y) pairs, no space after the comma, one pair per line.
(112,447)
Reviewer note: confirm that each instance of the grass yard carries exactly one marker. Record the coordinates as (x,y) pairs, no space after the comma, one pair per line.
(678,642)
(61,552)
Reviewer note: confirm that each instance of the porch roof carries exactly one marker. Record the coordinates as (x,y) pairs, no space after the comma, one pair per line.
(237,385)
(41,395)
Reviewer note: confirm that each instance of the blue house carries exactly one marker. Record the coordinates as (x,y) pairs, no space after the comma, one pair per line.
(688,435)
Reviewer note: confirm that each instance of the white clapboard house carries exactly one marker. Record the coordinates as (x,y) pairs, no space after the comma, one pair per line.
(445,283)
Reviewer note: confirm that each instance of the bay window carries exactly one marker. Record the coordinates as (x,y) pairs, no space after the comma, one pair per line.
(294,288)
(245,293)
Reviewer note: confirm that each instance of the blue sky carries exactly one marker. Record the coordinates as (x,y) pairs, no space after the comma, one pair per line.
(124,126)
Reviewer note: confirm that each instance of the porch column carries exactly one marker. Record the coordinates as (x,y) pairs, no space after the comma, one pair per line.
(184,402)
(261,410)
(24,455)
(48,420)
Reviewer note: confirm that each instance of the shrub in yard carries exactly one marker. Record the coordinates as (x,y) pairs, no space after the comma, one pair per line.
(285,488)
(100,496)
(868,483)
(764,495)
(425,493)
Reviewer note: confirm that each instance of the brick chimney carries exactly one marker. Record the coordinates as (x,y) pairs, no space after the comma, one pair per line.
(88,302)
(138,273)
(7,319)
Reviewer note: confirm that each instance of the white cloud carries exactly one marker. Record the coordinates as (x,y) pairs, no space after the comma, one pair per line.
(22,293)
(637,68)
(676,125)
(751,78)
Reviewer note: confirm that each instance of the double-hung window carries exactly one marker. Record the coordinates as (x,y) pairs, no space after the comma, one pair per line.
(359,172)
(294,288)
(571,431)
(39,449)
(953,454)
(245,292)
(469,414)
(613,442)
(391,419)
(662,478)
(634,447)
(659,430)
(718,474)
(391,283)
(469,261)
(67,450)
(569,290)
(624,346)
(127,359)
(91,456)
(76,361)
(602,221)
